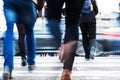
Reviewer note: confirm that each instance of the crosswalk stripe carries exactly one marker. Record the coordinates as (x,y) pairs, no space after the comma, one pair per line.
(58,73)
(47,68)
(77,59)
(75,65)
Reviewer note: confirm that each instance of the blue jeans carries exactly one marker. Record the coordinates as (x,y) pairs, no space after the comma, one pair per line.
(26,12)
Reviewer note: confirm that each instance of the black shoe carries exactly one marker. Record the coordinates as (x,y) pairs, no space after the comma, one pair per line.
(87,59)
(24,62)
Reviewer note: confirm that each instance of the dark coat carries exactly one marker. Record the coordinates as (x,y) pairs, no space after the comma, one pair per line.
(91,16)
(39,5)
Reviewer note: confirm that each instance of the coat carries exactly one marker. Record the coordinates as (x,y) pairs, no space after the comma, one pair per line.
(91,16)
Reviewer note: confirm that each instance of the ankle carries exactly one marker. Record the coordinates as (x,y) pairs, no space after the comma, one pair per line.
(67,71)
(66,74)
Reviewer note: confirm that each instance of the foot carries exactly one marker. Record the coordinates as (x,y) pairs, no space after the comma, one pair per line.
(66,74)
(7,74)
(92,48)
(87,59)
(31,67)
(24,62)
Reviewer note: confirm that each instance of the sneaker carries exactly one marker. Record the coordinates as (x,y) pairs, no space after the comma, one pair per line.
(31,67)
(7,74)
(92,52)
(24,62)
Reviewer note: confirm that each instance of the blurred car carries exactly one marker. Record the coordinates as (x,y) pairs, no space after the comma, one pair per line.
(108,37)
(111,39)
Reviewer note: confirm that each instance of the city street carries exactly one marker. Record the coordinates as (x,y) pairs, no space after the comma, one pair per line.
(105,66)
(50,68)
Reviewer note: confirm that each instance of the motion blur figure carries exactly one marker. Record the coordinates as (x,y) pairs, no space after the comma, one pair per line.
(24,10)
(67,50)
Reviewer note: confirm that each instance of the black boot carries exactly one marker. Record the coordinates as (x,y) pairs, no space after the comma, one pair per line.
(24,61)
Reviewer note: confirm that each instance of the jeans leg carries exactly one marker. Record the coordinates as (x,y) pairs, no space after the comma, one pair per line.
(30,44)
(29,21)
(8,51)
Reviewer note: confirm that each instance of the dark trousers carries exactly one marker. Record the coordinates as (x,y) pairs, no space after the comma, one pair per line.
(88,34)
(21,40)
(73,9)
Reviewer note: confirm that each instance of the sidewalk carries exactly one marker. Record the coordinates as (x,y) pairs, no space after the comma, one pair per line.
(50,68)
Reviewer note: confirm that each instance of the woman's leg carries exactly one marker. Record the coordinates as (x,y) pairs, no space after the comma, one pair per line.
(8,48)
(85,39)
(92,39)
(21,43)
(29,18)
(73,9)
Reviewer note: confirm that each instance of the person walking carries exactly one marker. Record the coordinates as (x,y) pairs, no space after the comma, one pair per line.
(24,10)
(73,9)
(88,28)
(38,4)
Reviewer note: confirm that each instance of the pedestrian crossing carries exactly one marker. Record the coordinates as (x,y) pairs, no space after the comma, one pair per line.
(50,68)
